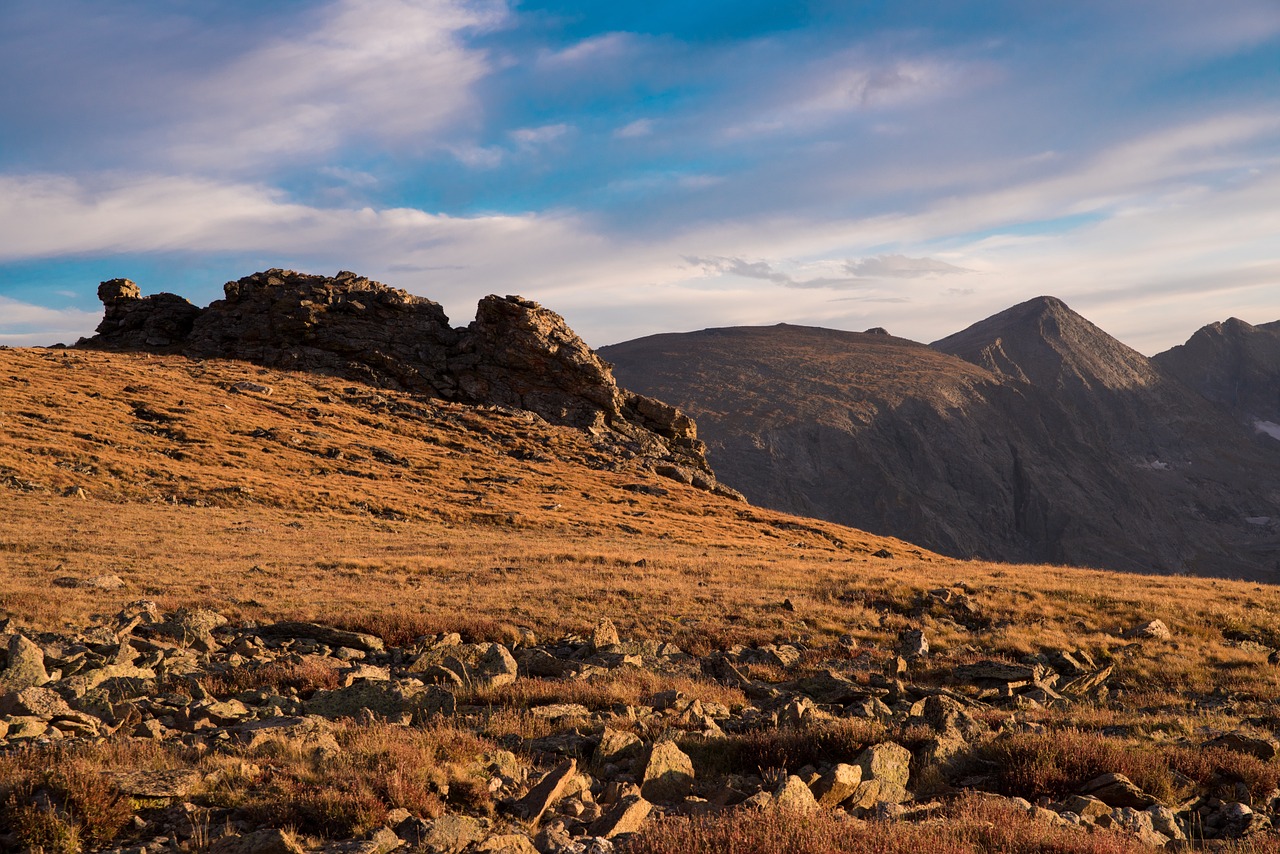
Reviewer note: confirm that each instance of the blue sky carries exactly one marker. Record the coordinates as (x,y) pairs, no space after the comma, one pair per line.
(651,167)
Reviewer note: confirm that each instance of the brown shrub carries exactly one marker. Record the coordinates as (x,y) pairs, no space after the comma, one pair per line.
(1213,766)
(79,806)
(1059,762)
(974,826)
(751,752)
(305,677)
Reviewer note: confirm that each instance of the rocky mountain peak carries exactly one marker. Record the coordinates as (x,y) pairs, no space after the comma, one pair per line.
(1234,364)
(1043,342)
(515,354)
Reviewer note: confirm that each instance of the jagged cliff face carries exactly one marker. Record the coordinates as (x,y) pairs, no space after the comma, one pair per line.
(515,354)
(1030,436)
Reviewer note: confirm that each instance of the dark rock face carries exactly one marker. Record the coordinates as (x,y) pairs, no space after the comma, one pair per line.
(1030,436)
(1233,364)
(346,326)
(158,323)
(515,354)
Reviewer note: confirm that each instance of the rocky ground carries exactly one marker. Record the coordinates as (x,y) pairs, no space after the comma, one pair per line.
(153,732)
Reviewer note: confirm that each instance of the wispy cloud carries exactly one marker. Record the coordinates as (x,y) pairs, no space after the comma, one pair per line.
(393,70)
(900,267)
(634,130)
(533,137)
(767,272)
(24,324)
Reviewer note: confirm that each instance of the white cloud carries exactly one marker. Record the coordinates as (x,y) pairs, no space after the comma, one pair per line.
(394,70)
(634,130)
(23,324)
(767,271)
(1181,231)
(901,267)
(533,137)
(607,47)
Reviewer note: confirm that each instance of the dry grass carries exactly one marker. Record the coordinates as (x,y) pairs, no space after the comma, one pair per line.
(972,826)
(60,800)
(479,521)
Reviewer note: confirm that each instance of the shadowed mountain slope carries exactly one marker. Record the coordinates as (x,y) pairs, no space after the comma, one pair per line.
(1032,435)
(1235,365)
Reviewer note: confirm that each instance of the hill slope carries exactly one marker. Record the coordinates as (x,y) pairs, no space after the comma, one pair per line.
(1032,435)
(763,646)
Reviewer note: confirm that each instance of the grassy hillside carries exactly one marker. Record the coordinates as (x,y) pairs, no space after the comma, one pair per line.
(378,512)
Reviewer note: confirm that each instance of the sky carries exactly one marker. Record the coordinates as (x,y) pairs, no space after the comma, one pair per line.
(656,166)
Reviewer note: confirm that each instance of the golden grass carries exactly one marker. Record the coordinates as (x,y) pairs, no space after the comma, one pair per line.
(478,520)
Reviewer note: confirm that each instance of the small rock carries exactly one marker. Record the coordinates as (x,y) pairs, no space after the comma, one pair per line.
(544,795)
(668,776)
(794,796)
(1117,790)
(1150,630)
(888,765)
(93,582)
(837,785)
(1265,749)
(604,636)
(272,841)
(509,843)
(626,816)
(616,746)
(451,833)
(912,644)
(155,784)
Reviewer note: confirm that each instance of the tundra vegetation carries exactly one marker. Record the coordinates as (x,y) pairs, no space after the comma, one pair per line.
(336,617)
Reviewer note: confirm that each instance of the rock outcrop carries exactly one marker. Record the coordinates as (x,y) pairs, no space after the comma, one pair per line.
(1031,436)
(515,354)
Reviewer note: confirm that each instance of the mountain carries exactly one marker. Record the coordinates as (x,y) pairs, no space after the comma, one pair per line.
(249,608)
(1030,436)
(1235,365)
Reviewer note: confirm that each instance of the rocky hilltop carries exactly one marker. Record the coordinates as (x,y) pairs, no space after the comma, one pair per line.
(515,354)
(1031,436)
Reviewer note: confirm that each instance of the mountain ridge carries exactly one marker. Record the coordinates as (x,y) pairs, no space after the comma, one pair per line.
(1032,435)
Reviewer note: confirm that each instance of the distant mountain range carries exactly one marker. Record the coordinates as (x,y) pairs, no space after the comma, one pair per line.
(1030,436)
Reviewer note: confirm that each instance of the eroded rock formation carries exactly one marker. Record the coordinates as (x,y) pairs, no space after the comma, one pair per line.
(515,354)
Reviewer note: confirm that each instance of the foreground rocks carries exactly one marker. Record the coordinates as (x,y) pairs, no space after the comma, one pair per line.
(515,354)
(586,759)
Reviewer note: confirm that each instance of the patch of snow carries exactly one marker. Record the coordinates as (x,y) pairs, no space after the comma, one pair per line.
(1271,428)
(1258,520)
(1156,465)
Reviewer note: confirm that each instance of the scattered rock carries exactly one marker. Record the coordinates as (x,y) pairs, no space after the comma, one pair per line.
(1150,630)
(793,796)
(156,784)
(626,816)
(1117,790)
(888,766)
(837,785)
(668,776)
(93,582)
(271,841)
(605,636)
(25,668)
(546,793)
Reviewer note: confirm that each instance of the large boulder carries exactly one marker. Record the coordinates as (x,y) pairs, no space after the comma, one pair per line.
(668,776)
(25,668)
